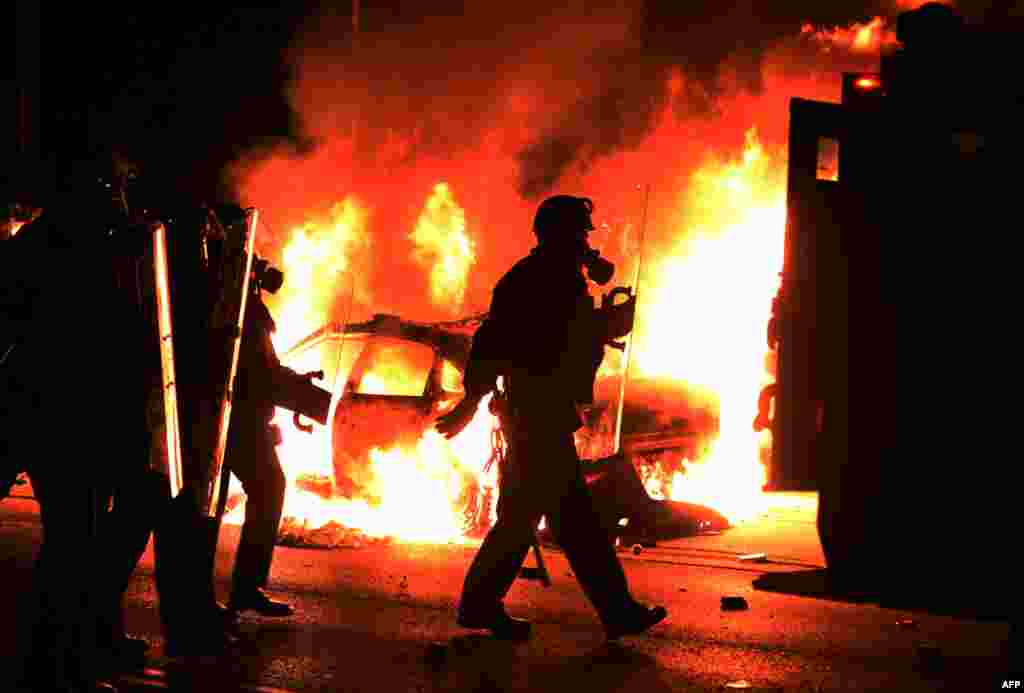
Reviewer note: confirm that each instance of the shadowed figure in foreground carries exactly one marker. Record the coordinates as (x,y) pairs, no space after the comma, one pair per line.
(263,383)
(63,305)
(545,340)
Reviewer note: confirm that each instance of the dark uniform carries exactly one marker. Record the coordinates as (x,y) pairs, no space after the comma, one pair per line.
(252,457)
(73,398)
(139,492)
(544,337)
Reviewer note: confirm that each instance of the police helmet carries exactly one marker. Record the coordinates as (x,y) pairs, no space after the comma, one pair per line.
(563,213)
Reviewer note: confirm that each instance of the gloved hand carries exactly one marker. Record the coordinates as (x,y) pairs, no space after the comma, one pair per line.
(453,422)
(617,319)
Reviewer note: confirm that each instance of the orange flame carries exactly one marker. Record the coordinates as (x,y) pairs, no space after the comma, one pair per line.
(418,490)
(705,316)
(721,274)
(318,265)
(443,244)
(705,301)
(868,37)
(914,4)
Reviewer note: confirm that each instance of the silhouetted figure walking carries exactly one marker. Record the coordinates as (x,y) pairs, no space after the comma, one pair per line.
(251,454)
(545,339)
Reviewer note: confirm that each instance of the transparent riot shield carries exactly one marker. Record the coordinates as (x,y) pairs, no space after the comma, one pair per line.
(227,321)
(170,422)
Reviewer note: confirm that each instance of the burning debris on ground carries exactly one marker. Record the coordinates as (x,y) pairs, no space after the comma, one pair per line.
(329,536)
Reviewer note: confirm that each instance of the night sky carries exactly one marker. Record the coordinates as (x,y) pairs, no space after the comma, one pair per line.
(182,91)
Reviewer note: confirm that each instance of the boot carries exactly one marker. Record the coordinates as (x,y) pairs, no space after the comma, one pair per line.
(496,620)
(635,621)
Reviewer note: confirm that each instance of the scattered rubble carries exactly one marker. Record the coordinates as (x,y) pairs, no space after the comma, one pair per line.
(330,536)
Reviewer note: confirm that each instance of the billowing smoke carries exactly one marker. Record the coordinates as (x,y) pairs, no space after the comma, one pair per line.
(576,84)
(508,107)
(717,47)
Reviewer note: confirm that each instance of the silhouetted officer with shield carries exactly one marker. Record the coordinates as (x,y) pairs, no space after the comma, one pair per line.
(262,384)
(71,369)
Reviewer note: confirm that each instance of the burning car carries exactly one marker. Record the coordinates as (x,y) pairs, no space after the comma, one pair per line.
(393,377)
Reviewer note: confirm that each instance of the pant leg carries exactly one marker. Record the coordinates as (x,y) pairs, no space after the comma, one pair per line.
(588,546)
(257,466)
(185,546)
(139,496)
(62,632)
(501,555)
(528,483)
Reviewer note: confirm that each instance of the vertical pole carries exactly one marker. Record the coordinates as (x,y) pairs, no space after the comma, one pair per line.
(19,119)
(355,57)
(627,352)
(28,78)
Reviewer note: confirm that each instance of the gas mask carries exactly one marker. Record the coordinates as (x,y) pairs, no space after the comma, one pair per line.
(268,278)
(599,270)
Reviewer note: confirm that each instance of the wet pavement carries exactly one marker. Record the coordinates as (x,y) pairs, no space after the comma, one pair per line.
(380,617)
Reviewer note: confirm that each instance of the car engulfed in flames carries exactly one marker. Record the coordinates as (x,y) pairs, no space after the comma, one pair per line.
(393,377)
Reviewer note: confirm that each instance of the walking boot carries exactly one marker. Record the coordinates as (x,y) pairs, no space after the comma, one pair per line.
(637,619)
(206,632)
(496,620)
(258,601)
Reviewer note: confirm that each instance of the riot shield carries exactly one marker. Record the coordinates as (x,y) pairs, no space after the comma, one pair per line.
(169,422)
(227,320)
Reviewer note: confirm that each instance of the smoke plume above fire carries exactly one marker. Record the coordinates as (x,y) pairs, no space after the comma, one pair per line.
(506,108)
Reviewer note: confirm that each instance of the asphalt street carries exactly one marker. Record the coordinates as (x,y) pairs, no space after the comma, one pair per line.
(380,617)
